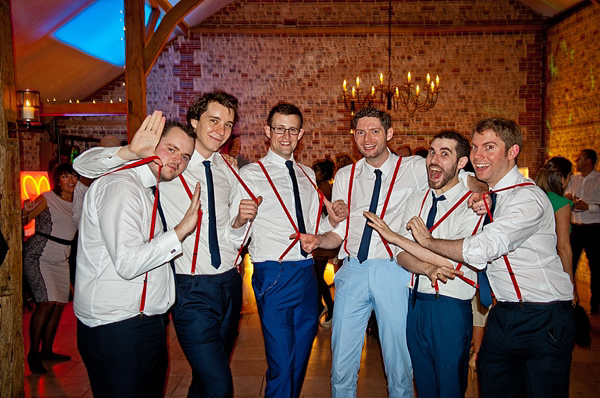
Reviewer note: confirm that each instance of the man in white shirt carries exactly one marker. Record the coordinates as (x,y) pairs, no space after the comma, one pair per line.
(209,288)
(370,277)
(529,339)
(584,190)
(284,280)
(124,283)
(440,320)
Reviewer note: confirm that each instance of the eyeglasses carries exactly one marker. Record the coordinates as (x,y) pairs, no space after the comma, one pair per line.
(282,130)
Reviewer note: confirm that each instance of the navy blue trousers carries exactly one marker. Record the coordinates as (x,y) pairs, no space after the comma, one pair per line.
(438,333)
(287,300)
(206,316)
(126,359)
(527,349)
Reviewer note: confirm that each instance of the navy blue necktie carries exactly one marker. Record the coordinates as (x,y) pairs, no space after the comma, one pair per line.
(365,241)
(161,214)
(428,224)
(213,239)
(297,202)
(485,290)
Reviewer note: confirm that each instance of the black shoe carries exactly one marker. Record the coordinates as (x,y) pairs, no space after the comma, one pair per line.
(35,364)
(52,356)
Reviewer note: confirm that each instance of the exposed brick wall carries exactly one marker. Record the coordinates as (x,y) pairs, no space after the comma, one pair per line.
(573,93)
(481,73)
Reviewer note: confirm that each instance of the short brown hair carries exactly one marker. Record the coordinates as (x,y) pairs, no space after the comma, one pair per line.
(384,117)
(220,97)
(508,130)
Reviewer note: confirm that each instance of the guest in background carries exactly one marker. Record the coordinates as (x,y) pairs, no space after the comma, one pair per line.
(422,152)
(46,263)
(584,190)
(404,150)
(553,178)
(324,173)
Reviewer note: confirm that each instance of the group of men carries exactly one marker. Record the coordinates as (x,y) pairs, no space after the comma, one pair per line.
(125,284)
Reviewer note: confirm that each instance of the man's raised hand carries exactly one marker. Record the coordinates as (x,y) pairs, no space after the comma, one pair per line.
(190,219)
(247,211)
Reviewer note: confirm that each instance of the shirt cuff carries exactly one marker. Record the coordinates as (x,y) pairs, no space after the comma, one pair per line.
(169,243)
(472,254)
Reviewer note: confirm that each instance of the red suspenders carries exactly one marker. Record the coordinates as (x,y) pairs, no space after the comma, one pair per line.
(154,209)
(287,213)
(189,192)
(385,204)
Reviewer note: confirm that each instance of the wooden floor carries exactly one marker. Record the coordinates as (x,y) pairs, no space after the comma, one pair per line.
(69,379)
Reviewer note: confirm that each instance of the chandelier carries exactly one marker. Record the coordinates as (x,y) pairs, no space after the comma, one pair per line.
(409,96)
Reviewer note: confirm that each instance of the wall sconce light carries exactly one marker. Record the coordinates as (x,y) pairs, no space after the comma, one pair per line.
(28,106)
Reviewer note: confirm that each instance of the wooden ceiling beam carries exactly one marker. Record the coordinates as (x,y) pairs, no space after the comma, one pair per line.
(135,78)
(154,15)
(157,41)
(84,109)
(166,6)
(369,30)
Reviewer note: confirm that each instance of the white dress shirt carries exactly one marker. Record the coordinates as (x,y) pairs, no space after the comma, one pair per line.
(271,228)
(524,229)
(114,252)
(78,195)
(175,203)
(588,189)
(459,224)
(411,177)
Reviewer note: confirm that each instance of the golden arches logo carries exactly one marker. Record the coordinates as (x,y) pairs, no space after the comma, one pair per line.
(32,187)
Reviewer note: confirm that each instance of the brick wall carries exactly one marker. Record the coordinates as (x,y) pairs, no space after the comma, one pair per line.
(573,74)
(246,50)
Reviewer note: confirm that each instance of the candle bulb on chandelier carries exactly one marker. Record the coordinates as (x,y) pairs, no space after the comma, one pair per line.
(428,79)
(409,77)
(437,81)
(432,87)
(418,89)
(357,82)
(381,78)
(397,93)
(344,85)
(353,92)
(372,90)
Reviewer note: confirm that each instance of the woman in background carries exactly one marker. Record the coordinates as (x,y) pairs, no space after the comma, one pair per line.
(553,178)
(46,263)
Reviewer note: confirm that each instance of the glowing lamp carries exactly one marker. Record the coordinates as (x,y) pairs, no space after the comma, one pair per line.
(28,106)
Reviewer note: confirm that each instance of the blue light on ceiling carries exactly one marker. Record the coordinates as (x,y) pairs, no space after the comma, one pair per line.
(98,31)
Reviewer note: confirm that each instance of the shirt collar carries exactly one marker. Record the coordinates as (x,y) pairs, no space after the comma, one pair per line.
(147,178)
(386,168)
(198,159)
(511,178)
(591,175)
(452,193)
(277,160)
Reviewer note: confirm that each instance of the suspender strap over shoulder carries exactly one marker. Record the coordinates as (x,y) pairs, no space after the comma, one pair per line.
(383,210)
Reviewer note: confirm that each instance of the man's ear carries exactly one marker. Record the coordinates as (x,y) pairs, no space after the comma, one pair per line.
(462,162)
(390,134)
(513,152)
(194,123)
(268,131)
(300,134)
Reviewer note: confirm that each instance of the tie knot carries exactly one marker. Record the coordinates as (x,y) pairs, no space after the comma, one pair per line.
(378,174)
(153,189)
(289,164)
(438,199)
(206,164)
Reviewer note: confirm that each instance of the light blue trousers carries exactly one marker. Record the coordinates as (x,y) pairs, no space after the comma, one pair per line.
(360,288)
